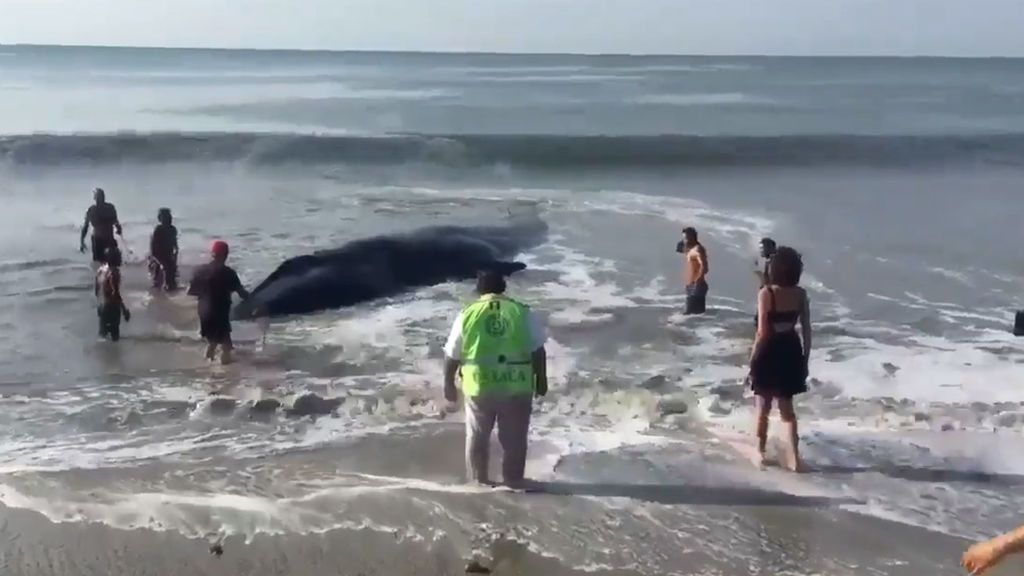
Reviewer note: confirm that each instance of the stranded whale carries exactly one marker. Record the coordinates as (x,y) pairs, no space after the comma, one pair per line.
(380,266)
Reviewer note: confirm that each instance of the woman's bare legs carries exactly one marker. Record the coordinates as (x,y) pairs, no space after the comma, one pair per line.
(788,416)
(763,408)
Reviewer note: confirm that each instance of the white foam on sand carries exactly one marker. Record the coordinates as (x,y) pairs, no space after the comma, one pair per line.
(212,515)
(910,475)
(82,453)
(960,483)
(319,504)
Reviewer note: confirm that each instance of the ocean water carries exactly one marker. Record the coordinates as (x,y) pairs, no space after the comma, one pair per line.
(898,179)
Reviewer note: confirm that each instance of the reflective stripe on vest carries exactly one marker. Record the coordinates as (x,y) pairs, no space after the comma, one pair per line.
(496,347)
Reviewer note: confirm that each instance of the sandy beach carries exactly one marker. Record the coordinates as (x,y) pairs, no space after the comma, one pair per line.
(782,540)
(705,525)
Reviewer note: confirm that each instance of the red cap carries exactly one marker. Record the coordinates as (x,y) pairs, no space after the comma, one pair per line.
(219,249)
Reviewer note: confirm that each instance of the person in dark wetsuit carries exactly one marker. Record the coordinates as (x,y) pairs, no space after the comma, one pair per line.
(213,284)
(778,360)
(110,305)
(103,218)
(163,252)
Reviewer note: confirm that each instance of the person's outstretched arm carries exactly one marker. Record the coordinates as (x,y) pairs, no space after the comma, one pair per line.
(242,292)
(194,284)
(85,231)
(451,368)
(452,359)
(539,357)
(117,221)
(763,298)
(805,325)
(115,278)
(539,360)
(984,555)
(760,277)
(702,256)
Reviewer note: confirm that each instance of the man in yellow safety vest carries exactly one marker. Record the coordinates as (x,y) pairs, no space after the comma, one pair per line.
(496,346)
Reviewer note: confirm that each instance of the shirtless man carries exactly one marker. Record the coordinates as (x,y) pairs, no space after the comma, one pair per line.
(696,271)
(103,218)
(768,248)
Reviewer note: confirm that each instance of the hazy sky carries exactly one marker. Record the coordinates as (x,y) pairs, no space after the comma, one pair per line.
(945,27)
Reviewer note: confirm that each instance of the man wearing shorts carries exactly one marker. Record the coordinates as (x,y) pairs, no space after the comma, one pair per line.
(696,271)
(768,249)
(213,284)
(102,216)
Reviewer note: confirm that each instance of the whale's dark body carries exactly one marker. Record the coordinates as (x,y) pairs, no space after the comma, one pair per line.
(386,265)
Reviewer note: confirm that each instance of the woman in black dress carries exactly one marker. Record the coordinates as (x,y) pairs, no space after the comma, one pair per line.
(778,361)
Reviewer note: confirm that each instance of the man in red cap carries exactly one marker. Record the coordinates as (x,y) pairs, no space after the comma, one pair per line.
(213,284)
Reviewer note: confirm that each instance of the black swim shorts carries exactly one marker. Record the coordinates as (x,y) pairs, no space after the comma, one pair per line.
(215,328)
(99,248)
(696,296)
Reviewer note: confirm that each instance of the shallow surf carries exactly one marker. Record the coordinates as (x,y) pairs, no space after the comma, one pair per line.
(910,424)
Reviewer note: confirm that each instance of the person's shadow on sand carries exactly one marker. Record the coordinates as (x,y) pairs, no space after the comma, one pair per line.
(685,494)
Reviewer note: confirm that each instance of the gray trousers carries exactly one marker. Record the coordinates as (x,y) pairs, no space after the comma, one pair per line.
(512,414)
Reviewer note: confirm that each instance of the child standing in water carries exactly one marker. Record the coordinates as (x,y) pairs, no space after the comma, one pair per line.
(110,305)
(163,252)
(213,284)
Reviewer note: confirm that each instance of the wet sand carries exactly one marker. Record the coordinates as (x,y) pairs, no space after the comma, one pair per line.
(32,545)
(696,511)
(789,540)
(692,521)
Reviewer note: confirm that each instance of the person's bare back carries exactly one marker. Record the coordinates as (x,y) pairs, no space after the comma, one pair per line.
(696,264)
(695,271)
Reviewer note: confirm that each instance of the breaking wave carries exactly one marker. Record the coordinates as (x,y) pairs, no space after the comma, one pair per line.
(539,151)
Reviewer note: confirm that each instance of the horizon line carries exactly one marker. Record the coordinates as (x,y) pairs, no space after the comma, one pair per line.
(454,52)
